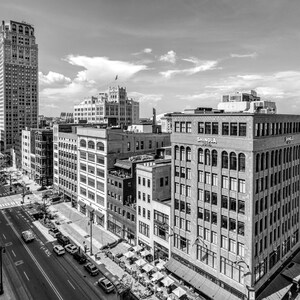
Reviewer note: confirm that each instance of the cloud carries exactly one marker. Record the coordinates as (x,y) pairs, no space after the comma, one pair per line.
(248,55)
(169,57)
(200,96)
(146,97)
(53,78)
(146,51)
(200,66)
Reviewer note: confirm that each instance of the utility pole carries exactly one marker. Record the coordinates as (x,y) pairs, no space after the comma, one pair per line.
(91,231)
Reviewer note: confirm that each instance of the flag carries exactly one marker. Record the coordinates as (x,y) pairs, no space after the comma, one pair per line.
(116,77)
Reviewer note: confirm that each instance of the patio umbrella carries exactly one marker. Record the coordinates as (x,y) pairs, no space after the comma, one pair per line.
(137,248)
(147,268)
(179,292)
(141,262)
(167,281)
(129,254)
(145,253)
(157,276)
(160,266)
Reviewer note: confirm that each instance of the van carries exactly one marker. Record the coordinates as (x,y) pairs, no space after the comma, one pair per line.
(80,256)
(63,240)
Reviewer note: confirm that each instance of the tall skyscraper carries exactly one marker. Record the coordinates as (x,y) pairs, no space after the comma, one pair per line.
(18,84)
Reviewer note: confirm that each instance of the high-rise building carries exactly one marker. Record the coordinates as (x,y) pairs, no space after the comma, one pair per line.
(18,83)
(235,200)
(112,108)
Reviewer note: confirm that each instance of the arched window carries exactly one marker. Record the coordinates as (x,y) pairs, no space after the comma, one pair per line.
(267,160)
(214,158)
(233,162)
(284,155)
(82,143)
(225,160)
(91,145)
(26,30)
(262,161)
(188,154)
(14,27)
(272,159)
(200,156)
(100,146)
(20,29)
(207,157)
(257,162)
(176,150)
(290,154)
(242,162)
(182,153)
(279,157)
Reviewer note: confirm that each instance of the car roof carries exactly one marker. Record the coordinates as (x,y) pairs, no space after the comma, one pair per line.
(106,281)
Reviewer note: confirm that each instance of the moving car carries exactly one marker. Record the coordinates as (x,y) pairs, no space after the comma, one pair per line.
(79,256)
(92,269)
(28,236)
(63,240)
(54,232)
(106,285)
(59,250)
(71,248)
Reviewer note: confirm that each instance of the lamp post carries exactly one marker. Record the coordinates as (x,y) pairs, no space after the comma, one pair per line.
(91,230)
(2,250)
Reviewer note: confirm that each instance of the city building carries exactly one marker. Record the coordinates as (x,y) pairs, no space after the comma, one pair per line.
(65,157)
(235,200)
(112,108)
(66,117)
(245,102)
(18,84)
(154,207)
(98,150)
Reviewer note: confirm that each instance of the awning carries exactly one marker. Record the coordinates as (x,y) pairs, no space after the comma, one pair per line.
(145,253)
(141,262)
(179,292)
(167,281)
(157,276)
(129,254)
(277,289)
(122,165)
(147,268)
(292,272)
(81,203)
(198,281)
(137,248)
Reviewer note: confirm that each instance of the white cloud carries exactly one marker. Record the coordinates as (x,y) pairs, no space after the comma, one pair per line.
(200,96)
(53,78)
(200,66)
(146,51)
(247,55)
(146,97)
(169,57)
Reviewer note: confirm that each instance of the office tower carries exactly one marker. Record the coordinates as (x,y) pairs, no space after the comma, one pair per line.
(235,200)
(112,108)
(18,84)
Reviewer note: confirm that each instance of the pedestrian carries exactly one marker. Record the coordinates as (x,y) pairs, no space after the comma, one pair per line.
(290,294)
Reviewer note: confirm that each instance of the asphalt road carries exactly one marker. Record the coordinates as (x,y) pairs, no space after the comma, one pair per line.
(34,269)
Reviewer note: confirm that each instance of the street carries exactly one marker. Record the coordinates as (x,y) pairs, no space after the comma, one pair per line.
(35,271)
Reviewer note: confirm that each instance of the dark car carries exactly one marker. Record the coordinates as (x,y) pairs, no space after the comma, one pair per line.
(80,257)
(92,269)
(63,240)
(54,232)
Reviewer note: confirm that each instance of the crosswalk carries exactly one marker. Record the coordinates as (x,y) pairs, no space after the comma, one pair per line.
(10,204)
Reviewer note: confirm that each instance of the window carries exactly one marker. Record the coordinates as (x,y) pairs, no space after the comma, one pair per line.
(233,184)
(82,155)
(207,157)
(181,243)
(232,245)
(188,154)
(233,129)
(188,173)
(201,127)
(242,162)
(241,207)
(144,229)
(207,196)
(224,200)
(200,156)
(100,146)
(225,128)
(224,242)
(232,224)
(161,181)
(188,127)
(177,127)
(241,228)
(242,186)
(207,178)
(200,195)
(215,128)
(225,183)
(232,204)
(242,129)
(148,183)
(207,128)
(224,160)
(100,159)
(224,222)
(91,157)
(182,126)
(233,161)
(91,145)
(214,179)
(214,158)
(83,143)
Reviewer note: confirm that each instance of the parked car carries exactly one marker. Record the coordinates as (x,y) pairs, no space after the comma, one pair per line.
(71,248)
(80,257)
(63,240)
(54,232)
(106,285)
(92,269)
(59,250)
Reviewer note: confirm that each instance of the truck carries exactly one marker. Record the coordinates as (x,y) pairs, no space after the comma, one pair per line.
(28,236)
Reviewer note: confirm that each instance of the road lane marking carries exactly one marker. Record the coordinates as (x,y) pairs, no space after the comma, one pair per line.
(4,235)
(71,284)
(36,262)
(26,276)
(13,253)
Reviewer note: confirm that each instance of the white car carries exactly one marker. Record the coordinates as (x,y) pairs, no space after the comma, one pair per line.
(59,250)
(71,248)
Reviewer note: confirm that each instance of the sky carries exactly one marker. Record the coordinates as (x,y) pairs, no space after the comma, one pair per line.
(169,54)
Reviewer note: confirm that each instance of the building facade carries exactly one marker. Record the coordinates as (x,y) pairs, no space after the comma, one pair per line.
(235,200)
(112,108)
(154,231)
(65,157)
(18,83)
(98,150)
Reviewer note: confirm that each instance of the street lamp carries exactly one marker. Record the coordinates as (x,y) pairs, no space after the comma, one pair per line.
(239,262)
(167,225)
(91,221)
